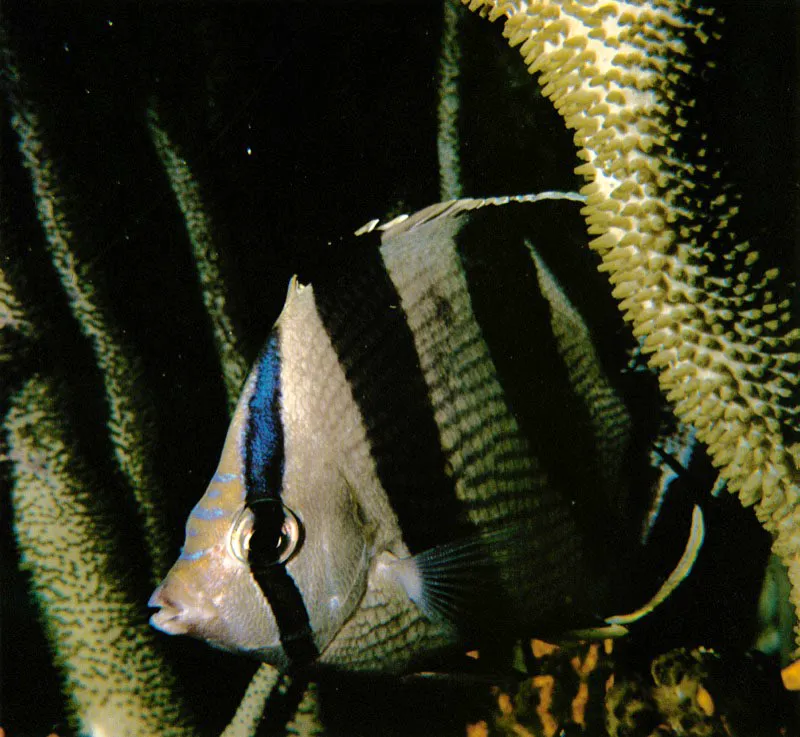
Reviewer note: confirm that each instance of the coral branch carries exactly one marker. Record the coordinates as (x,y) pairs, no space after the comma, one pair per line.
(206,257)
(448,141)
(248,715)
(116,681)
(127,410)
(306,721)
(13,318)
(12,314)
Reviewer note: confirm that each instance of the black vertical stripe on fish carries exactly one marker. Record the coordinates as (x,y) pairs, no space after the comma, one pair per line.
(493,251)
(360,309)
(263,446)
(263,464)
(290,613)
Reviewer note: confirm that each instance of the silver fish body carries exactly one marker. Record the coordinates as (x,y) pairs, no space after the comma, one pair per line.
(388,490)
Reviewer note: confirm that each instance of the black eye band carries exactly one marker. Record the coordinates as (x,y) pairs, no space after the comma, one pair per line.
(276,536)
(269,570)
(290,613)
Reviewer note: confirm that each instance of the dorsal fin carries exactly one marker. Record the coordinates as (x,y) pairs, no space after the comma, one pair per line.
(451,208)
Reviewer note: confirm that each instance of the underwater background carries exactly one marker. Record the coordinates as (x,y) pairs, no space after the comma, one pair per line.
(300,122)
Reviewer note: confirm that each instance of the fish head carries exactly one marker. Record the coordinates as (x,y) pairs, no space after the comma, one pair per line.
(275,557)
(210,593)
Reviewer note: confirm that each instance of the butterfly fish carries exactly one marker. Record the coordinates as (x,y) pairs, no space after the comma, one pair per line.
(427,456)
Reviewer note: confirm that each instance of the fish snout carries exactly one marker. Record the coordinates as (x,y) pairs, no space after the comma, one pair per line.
(181,609)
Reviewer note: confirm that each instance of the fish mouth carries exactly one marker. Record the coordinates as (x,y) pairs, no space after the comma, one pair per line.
(171,617)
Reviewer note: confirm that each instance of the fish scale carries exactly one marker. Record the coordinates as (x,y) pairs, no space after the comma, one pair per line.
(392,632)
(305,343)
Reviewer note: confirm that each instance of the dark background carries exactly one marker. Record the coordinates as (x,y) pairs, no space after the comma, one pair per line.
(300,121)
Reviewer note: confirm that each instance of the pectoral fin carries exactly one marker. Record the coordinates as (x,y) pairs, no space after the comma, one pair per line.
(446,582)
(457,582)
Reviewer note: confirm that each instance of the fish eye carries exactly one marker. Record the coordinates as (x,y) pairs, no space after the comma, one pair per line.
(266,533)
(269,544)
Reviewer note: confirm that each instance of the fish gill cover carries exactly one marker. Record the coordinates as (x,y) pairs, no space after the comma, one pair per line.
(165,171)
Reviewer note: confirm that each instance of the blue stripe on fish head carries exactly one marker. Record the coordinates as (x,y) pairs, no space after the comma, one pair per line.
(263,447)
